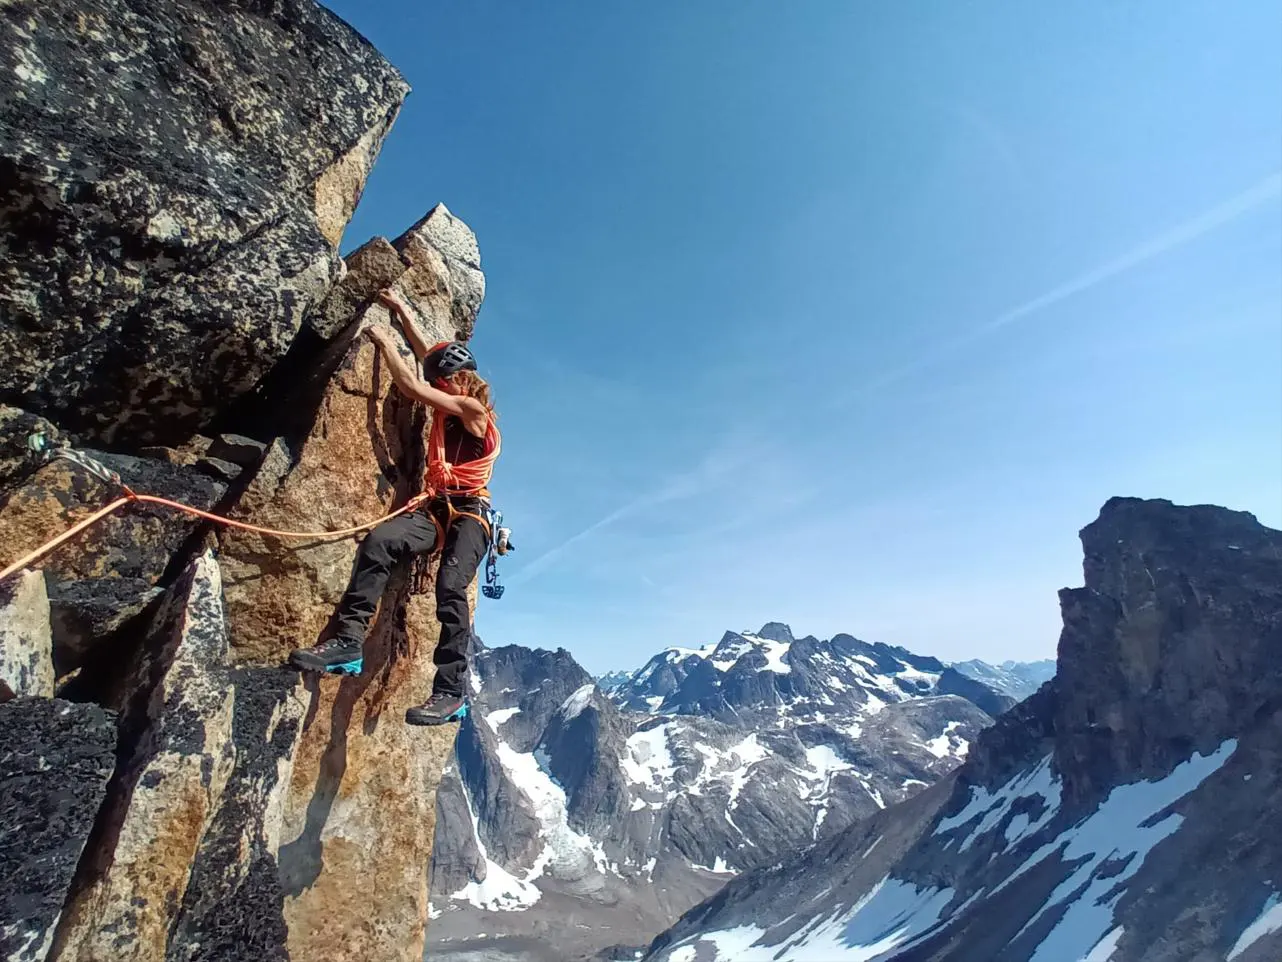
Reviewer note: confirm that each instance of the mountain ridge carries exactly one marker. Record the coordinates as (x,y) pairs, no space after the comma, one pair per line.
(565,802)
(1068,831)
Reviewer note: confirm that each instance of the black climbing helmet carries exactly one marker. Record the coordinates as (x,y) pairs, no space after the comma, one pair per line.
(447,359)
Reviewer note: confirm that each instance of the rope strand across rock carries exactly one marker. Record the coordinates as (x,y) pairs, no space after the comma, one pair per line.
(108,476)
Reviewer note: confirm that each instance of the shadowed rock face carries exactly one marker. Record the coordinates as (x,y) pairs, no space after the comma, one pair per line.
(1073,828)
(1173,643)
(99,584)
(175,180)
(55,760)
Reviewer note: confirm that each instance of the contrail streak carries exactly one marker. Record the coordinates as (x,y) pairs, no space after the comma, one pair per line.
(1230,210)
(1223,213)
(1268,189)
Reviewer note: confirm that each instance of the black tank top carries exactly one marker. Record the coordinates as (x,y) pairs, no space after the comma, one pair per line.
(460,444)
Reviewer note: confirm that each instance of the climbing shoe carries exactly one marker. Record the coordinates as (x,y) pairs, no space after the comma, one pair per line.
(337,655)
(438,710)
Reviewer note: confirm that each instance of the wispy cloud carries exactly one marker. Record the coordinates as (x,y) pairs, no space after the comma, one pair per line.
(1223,213)
(991,134)
(549,557)
(735,452)
(743,447)
(1264,192)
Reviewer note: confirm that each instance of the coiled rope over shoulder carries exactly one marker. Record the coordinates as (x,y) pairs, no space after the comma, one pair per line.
(466,477)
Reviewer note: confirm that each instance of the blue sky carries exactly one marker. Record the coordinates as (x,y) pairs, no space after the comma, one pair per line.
(848,315)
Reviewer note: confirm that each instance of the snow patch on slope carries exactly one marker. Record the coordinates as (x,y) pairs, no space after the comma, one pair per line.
(1104,949)
(648,763)
(499,891)
(1123,830)
(774,652)
(1266,923)
(573,706)
(947,743)
(497,718)
(1036,783)
(893,913)
(564,849)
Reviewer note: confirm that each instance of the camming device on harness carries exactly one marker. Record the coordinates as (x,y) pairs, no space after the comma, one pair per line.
(500,544)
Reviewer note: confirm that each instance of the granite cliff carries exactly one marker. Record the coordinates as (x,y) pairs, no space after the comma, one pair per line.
(175,182)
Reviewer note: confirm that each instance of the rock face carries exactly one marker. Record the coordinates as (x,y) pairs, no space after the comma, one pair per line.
(110,578)
(615,813)
(26,642)
(1069,831)
(55,760)
(176,710)
(176,181)
(177,177)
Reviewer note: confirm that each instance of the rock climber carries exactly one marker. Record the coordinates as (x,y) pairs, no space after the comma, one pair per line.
(462,445)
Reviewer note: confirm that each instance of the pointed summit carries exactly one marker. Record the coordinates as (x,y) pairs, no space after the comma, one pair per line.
(776,631)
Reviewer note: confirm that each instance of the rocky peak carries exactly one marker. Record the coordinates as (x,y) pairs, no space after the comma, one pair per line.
(1070,829)
(776,631)
(567,804)
(1172,643)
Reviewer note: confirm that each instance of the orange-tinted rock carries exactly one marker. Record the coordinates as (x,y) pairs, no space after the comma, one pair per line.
(107,574)
(359,809)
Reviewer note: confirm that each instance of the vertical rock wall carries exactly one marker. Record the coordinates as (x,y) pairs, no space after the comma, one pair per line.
(175,179)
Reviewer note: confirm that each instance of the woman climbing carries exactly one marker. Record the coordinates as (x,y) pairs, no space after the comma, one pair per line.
(462,446)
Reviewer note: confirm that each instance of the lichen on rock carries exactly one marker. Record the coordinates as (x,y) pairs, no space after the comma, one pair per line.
(176,178)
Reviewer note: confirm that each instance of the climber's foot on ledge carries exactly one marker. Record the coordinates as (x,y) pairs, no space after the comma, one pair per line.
(438,710)
(336,655)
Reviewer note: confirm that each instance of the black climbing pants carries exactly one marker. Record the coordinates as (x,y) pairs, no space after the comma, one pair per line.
(414,533)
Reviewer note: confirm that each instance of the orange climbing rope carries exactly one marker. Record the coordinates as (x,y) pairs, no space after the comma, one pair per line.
(442,477)
(468,477)
(131,496)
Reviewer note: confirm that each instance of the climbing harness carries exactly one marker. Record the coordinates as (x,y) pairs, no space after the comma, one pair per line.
(39,445)
(469,478)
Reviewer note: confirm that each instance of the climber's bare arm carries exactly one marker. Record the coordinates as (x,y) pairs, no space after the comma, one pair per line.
(472,412)
(400,310)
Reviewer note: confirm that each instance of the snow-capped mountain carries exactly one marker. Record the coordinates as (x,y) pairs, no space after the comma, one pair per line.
(1019,679)
(566,802)
(613,679)
(770,672)
(1125,812)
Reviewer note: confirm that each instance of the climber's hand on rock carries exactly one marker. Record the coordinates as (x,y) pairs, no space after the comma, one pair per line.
(380,336)
(389,298)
